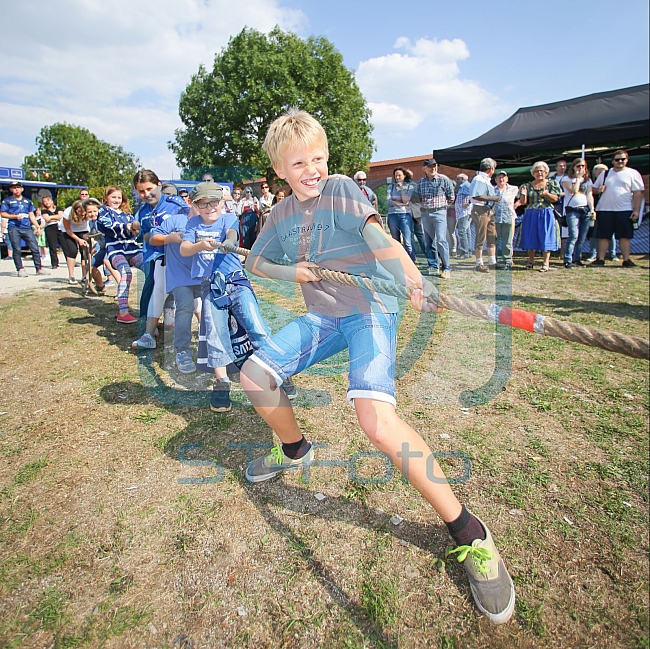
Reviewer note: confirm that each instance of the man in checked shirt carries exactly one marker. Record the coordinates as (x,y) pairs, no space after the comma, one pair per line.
(436,192)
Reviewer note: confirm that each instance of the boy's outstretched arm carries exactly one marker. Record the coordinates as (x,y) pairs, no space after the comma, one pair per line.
(299,272)
(392,256)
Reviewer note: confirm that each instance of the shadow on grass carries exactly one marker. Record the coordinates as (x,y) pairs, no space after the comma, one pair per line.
(215,440)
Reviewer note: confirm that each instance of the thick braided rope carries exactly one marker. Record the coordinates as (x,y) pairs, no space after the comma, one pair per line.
(611,341)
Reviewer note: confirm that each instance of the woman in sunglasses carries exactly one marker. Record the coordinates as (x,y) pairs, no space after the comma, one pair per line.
(578,210)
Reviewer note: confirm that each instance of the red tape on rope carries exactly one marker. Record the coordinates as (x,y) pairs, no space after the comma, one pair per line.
(517,318)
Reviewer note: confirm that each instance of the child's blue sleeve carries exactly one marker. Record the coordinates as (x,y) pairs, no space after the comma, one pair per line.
(232,222)
(190,232)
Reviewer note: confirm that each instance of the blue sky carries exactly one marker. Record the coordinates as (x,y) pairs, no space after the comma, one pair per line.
(435,74)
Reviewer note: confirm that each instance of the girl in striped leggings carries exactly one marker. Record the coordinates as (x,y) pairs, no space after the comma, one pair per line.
(120,230)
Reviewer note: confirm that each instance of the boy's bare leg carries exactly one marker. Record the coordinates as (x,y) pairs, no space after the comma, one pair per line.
(220,373)
(393,436)
(270,402)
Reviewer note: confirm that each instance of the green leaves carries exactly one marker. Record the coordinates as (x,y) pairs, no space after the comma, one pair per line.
(75,156)
(227,112)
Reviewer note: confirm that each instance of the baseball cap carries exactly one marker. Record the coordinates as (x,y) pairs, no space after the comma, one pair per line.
(429,162)
(183,192)
(89,201)
(499,172)
(206,189)
(15,183)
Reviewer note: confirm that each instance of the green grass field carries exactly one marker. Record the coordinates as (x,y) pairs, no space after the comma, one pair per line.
(125,519)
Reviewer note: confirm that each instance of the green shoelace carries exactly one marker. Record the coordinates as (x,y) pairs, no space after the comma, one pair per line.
(480,556)
(277,454)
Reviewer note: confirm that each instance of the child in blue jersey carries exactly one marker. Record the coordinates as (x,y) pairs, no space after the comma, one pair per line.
(185,289)
(328,222)
(156,207)
(224,286)
(120,229)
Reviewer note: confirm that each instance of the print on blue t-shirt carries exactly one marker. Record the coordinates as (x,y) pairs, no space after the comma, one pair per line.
(204,263)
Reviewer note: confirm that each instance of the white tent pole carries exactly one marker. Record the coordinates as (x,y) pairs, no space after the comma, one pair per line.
(583,152)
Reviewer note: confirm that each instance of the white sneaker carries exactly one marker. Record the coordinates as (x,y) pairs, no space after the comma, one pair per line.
(146,341)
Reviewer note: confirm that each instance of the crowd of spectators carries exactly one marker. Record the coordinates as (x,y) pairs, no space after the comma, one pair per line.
(556,212)
(568,211)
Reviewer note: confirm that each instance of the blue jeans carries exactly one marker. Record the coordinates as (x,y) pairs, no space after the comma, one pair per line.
(464,240)
(402,222)
(245,309)
(184,297)
(371,341)
(434,223)
(424,240)
(15,235)
(577,220)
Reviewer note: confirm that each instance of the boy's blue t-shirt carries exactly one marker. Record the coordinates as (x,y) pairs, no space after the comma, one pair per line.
(150,217)
(178,269)
(204,263)
(328,231)
(13,205)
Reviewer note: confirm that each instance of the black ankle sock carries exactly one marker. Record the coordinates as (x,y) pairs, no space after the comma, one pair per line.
(296,450)
(466,528)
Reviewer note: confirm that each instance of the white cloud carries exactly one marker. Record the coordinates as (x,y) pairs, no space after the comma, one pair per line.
(116,67)
(12,155)
(387,115)
(404,89)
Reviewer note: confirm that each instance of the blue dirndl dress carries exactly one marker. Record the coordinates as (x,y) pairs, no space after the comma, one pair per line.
(539,230)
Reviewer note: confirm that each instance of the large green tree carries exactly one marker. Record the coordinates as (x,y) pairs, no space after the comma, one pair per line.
(75,156)
(227,111)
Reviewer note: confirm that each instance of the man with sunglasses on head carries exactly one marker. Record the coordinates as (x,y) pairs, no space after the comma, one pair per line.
(361,179)
(619,207)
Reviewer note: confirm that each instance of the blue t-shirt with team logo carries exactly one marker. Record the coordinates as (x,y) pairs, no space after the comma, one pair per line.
(205,262)
(13,205)
(151,217)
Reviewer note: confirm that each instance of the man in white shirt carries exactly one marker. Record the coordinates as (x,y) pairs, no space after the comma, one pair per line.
(483,197)
(618,208)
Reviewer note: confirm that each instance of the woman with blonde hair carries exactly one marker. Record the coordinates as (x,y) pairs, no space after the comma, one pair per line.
(578,210)
(539,229)
(75,224)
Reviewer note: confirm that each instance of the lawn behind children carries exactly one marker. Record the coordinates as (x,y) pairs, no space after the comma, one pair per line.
(109,538)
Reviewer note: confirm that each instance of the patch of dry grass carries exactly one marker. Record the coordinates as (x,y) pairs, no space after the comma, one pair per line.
(124,517)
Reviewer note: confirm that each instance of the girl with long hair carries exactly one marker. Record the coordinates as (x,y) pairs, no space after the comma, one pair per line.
(120,229)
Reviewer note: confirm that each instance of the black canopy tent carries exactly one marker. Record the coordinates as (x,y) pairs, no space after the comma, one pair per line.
(602,122)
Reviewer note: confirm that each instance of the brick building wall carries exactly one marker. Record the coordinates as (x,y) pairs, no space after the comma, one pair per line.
(382,169)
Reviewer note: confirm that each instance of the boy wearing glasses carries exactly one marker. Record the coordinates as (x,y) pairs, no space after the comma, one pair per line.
(225,289)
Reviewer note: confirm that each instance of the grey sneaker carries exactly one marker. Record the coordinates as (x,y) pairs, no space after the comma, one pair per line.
(146,341)
(22,272)
(42,271)
(184,362)
(267,467)
(492,588)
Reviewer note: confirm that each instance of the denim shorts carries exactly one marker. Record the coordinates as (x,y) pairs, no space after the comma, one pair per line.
(371,340)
